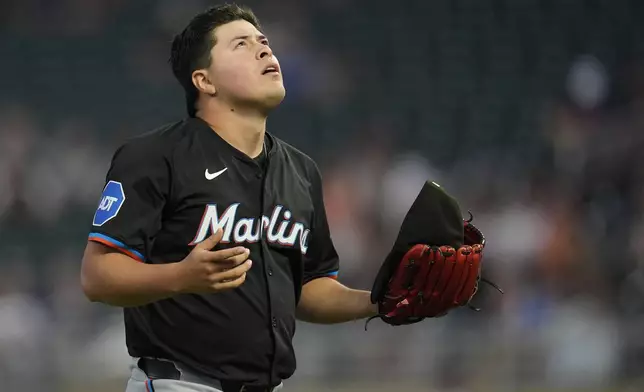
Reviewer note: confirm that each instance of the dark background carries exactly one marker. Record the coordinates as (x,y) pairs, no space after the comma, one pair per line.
(531,112)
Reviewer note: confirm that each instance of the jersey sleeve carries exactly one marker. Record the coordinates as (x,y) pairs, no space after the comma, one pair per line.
(321,258)
(128,215)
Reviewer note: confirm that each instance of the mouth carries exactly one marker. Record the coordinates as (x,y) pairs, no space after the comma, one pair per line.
(271,69)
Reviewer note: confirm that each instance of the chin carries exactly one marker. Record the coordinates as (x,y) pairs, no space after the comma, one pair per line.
(274,98)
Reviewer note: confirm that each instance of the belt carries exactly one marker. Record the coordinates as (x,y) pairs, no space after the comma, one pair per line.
(157,369)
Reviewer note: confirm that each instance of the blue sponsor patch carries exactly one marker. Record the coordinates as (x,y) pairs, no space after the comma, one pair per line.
(111,202)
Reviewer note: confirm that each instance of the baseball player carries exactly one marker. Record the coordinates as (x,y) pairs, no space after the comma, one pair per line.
(211,232)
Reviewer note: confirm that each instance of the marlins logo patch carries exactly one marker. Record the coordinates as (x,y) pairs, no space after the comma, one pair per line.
(111,202)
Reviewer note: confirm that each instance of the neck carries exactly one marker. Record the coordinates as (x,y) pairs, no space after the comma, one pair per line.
(242,128)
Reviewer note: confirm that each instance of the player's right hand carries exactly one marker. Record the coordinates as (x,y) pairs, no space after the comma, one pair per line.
(208,271)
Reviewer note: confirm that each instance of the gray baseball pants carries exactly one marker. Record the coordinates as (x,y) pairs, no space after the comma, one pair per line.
(189,382)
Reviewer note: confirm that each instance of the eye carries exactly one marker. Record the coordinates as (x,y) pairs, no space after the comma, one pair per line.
(240,44)
(265,42)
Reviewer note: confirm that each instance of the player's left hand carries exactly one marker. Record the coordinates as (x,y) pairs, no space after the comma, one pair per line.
(435,265)
(430,281)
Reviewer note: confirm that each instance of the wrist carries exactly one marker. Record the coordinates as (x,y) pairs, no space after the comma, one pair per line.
(366,309)
(175,278)
(372,309)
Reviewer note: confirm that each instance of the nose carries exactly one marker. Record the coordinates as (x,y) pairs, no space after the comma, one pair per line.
(265,51)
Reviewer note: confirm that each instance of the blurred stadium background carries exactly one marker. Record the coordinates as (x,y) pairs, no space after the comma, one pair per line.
(530,111)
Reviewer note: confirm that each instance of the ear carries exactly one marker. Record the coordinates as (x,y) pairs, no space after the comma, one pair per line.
(202,82)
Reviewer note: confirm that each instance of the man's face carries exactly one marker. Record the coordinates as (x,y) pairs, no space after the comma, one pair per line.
(239,69)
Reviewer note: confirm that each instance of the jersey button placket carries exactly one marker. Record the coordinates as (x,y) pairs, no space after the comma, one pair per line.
(270,271)
(274,322)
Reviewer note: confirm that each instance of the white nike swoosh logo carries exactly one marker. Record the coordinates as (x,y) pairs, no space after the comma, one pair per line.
(212,176)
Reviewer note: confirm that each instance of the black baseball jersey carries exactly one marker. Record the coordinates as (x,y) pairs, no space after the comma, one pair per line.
(169,189)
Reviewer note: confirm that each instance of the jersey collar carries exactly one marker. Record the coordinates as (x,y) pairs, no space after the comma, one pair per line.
(203,126)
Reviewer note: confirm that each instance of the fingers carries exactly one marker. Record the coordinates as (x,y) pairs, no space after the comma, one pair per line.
(229,285)
(230,279)
(234,260)
(233,273)
(225,254)
(211,241)
(220,264)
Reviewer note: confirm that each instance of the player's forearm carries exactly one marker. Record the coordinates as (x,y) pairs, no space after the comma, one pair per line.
(327,301)
(117,280)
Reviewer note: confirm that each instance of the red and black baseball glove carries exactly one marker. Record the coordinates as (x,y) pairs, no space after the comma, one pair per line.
(434,265)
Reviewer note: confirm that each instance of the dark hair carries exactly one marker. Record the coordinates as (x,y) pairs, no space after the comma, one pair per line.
(191,48)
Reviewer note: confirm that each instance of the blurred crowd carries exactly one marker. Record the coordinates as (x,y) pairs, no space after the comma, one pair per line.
(531,112)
